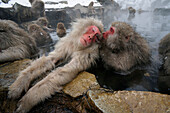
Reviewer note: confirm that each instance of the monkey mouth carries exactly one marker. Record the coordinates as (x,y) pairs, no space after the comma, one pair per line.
(83,41)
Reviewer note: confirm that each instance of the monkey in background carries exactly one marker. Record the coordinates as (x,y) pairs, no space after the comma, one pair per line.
(132,11)
(164,71)
(15,42)
(164,51)
(123,48)
(91,8)
(80,48)
(61,30)
(42,22)
(37,8)
(41,37)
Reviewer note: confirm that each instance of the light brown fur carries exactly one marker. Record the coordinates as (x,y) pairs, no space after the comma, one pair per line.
(15,43)
(41,37)
(61,30)
(67,48)
(37,8)
(122,54)
(164,50)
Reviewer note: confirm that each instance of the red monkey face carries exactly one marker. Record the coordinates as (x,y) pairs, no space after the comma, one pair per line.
(91,35)
(109,32)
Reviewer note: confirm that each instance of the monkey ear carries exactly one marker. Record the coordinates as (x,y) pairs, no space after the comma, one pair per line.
(127,38)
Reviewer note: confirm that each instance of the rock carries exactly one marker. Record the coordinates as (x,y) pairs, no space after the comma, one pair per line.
(55,16)
(73,13)
(128,101)
(83,10)
(162,11)
(8,73)
(81,84)
(18,13)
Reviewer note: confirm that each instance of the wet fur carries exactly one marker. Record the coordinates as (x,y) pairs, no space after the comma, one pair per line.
(164,51)
(123,55)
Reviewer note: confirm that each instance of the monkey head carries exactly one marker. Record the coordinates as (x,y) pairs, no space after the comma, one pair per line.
(60,25)
(42,21)
(91,35)
(33,28)
(119,36)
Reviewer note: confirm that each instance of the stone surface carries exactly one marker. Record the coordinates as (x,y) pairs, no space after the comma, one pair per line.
(128,101)
(81,84)
(8,73)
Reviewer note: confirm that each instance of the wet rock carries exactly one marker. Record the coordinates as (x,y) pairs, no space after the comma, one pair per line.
(55,16)
(128,101)
(162,11)
(81,84)
(73,13)
(18,13)
(8,73)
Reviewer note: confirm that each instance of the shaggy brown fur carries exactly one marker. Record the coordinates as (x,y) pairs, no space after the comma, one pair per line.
(15,43)
(164,50)
(61,30)
(69,47)
(125,48)
(132,11)
(41,37)
(37,8)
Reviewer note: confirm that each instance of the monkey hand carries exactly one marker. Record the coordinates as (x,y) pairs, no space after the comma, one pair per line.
(17,87)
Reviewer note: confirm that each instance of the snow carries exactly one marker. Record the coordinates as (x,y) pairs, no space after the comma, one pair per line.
(137,4)
(71,3)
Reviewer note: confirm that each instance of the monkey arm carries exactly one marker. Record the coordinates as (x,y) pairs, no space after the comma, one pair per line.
(55,80)
(14,53)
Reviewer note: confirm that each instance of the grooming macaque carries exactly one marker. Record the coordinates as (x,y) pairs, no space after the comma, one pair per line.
(124,48)
(61,30)
(41,37)
(132,11)
(37,8)
(80,48)
(164,51)
(15,43)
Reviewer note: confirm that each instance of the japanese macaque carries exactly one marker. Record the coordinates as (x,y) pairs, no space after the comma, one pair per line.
(164,50)
(61,30)
(15,43)
(132,11)
(37,8)
(91,8)
(80,48)
(43,22)
(124,48)
(41,37)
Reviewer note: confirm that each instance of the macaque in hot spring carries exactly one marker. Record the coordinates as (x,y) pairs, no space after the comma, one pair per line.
(123,48)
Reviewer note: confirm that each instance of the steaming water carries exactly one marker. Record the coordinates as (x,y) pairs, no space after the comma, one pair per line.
(153,27)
